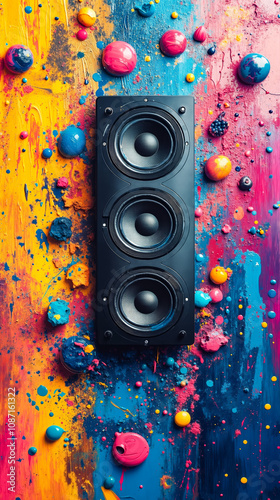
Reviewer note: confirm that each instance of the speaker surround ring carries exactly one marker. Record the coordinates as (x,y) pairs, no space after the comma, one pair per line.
(146,301)
(146,143)
(146,223)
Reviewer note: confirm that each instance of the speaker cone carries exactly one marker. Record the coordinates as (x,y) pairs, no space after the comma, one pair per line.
(146,223)
(146,301)
(146,143)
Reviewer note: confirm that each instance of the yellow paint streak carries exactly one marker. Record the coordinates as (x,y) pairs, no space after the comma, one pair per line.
(122,409)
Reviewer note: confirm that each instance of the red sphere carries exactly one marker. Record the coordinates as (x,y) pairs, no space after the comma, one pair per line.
(200,34)
(216,295)
(82,35)
(173,43)
(23,135)
(119,58)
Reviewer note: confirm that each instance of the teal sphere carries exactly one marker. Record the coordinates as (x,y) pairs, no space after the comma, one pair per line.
(253,68)
(109,482)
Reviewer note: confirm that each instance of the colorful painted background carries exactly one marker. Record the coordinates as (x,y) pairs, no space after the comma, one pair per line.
(231,448)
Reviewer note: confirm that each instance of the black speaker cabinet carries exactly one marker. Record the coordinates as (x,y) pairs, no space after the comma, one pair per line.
(145,220)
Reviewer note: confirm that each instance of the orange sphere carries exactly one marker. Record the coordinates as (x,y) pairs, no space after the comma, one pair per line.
(217,167)
(182,418)
(86,16)
(218,275)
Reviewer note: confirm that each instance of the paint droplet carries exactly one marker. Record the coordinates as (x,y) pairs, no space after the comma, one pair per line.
(267,406)
(245,441)
(261,123)
(170,361)
(54,432)
(267,426)
(174,15)
(42,390)
(240,317)
(273,378)
(248,153)
(269,149)
(198,212)
(250,209)
(82,35)
(109,482)
(165,412)
(32,450)
(182,418)
(157,411)
(23,135)
(264,324)
(216,295)
(138,384)
(62,182)
(273,282)
(226,229)
(28,9)
(147,58)
(271,314)
(199,257)
(190,77)
(47,153)
(209,383)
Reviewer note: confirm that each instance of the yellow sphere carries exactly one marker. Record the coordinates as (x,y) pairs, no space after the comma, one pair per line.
(244,480)
(267,406)
(182,418)
(86,16)
(174,15)
(190,77)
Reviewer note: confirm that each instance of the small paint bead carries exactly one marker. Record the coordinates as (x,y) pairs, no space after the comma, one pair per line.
(211,51)
(273,282)
(200,34)
(247,153)
(23,135)
(237,169)
(28,10)
(182,418)
(32,450)
(47,153)
(244,480)
(267,406)
(269,149)
(86,16)
(190,77)
(82,35)
(86,82)
(165,412)
(198,212)
(56,18)
(261,123)
(24,80)
(109,482)
(174,15)
(170,361)
(268,133)
(138,384)
(250,209)
(46,77)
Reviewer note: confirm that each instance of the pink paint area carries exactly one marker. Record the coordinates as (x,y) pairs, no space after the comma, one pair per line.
(121,479)
(212,339)
(119,58)
(130,449)
(173,43)
(62,182)
(216,295)
(237,433)
(226,229)
(195,428)
(219,320)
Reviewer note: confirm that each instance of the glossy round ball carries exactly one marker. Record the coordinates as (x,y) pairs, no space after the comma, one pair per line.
(216,295)
(218,275)
(86,16)
(82,35)
(173,43)
(190,77)
(72,142)
(253,68)
(211,51)
(109,482)
(18,59)
(119,58)
(182,418)
(47,153)
(245,183)
(217,167)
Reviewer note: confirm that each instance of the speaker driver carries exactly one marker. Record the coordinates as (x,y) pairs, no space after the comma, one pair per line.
(146,223)
(146,302)
(146,143)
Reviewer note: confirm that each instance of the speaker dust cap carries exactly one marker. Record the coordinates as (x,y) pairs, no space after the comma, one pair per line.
(146,143)
(146,301)
(146,223)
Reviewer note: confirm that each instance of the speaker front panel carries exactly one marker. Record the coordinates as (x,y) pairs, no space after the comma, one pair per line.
(145,220)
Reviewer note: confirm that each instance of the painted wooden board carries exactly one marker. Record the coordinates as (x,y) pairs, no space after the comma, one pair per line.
(231,447)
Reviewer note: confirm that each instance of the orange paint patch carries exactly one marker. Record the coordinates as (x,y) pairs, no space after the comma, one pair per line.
(109,494)
(79,275)
(238,213)
(165,482)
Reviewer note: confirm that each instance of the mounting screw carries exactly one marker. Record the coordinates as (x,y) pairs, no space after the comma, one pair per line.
(146,342)
(104,299)
(145,100)
(104,224)
(103,143)
(182,333)
(186,143)
(108,334)
(108,111)
(182,110)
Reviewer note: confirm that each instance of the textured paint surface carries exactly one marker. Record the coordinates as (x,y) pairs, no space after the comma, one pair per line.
(232,394)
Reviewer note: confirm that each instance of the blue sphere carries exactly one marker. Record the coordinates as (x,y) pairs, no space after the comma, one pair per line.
(72,142)
(109,482)
(253,68)
(47,153)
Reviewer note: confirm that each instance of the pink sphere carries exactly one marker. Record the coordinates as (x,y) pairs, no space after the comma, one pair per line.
(138,383)
(173,43)
(119,58)
(216,295)
(198,212)
(23,134)
(82,35)
(200,34)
